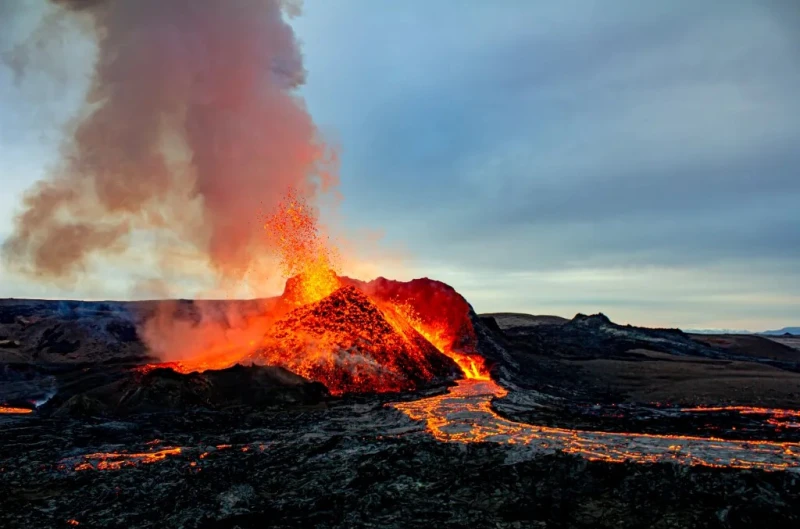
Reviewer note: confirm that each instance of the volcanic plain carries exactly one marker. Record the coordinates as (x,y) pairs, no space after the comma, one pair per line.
(564,423)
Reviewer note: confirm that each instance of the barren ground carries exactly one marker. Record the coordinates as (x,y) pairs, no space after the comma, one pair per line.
(265,448)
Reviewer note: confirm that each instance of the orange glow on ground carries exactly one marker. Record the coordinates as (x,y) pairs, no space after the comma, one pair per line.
(464,415)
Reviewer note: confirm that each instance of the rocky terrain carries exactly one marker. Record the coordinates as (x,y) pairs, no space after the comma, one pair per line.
(114,444)
(348,464)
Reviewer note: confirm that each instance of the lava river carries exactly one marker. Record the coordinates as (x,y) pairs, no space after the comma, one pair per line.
(464,415)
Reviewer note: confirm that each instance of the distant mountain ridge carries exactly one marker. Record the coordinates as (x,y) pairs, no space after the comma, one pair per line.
(512,319)
(785,330)
(718,331)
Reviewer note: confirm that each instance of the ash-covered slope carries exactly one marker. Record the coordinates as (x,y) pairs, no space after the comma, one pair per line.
(348,343)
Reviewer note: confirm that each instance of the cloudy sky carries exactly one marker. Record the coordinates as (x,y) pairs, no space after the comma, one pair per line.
(635,158)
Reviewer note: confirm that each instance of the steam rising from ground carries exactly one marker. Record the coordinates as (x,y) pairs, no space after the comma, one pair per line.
(190,130)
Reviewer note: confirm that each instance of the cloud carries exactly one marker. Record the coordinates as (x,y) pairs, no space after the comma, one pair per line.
(531,138)
(576,133)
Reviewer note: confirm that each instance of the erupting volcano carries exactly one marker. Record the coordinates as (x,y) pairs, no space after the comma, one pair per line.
(352,336)
(216,340)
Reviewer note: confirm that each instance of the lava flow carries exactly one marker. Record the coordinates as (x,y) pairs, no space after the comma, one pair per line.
(779,418)
(744,410)
(118,460)
(12,410)
(465,415)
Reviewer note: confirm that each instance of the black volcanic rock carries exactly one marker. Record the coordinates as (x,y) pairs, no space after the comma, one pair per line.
(342,467)
(253,386)
(491,324)
(594,320)
(80,405)
(165,390)
(247,452)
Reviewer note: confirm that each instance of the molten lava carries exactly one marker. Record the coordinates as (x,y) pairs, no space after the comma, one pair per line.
(11,410)
(744,410)
(443,338)
(351,345)
(118,460)
(305,253)
(465,415)
(437,312)
(779,418)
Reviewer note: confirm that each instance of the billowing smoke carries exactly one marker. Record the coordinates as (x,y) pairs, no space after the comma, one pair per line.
(191,129)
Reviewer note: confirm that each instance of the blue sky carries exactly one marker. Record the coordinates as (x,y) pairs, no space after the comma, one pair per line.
(635,158)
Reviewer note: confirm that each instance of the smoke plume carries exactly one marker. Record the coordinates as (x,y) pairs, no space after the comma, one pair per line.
(191,128)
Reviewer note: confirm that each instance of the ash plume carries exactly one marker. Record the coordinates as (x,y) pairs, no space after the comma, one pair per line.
(191,129)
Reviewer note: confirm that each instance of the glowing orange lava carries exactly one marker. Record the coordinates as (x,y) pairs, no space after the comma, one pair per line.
(305,253)
(117,460)
(348,343)
(779,418)
(442,337)
(11,410)
(744,410)
(465,415)
(175,366)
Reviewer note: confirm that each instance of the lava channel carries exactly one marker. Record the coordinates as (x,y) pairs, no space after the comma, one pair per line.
(464,415)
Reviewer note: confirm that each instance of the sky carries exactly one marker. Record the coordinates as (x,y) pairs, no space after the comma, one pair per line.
(633,158)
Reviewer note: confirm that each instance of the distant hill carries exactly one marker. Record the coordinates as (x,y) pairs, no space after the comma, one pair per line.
(717,331)
(507,320)
(514,319)
(785,330)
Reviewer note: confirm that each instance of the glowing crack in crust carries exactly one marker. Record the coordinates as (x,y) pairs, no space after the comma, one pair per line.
(464,415)
(118,460)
